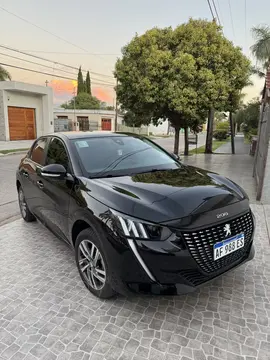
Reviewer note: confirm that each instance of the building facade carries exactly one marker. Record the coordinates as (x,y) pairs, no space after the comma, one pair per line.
(85,120)
(26,111)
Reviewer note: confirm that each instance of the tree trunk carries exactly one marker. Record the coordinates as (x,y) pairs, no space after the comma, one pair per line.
(232,132)
(209,135)
(186,141)
(176,140)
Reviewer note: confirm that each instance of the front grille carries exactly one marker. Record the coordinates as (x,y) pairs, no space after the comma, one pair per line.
(200,243)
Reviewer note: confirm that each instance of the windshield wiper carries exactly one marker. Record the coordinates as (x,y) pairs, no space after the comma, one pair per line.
(118,161)
(155,170)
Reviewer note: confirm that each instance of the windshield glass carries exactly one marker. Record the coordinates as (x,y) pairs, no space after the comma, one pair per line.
(123,155)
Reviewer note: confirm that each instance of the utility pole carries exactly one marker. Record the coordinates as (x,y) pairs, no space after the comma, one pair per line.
(46,82)
(74,107)
(116,109)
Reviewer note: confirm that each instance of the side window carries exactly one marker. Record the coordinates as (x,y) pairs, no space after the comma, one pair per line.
(57,154)
(38,151)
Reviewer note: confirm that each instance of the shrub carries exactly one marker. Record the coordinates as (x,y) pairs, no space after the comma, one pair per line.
(224,125)
(249,135)
(220,134)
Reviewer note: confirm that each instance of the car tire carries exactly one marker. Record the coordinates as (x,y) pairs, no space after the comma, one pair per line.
(92,264)
(25,212)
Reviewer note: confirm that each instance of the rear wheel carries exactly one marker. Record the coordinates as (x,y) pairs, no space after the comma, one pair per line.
(92,264)
(25,212)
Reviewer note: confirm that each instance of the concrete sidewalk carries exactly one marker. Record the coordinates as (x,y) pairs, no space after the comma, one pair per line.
(18,144)
(240,146)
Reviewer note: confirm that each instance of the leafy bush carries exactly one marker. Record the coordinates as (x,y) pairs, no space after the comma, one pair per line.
(220,134)
(249,135)
(224,125)
(249,117)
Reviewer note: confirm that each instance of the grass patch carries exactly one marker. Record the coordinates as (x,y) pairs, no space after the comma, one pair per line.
(216,144)
(12,150)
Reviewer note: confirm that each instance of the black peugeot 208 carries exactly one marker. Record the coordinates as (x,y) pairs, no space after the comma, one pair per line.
(137,217)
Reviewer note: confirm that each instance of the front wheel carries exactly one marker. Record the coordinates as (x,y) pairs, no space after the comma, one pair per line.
(92,265)
(25,212)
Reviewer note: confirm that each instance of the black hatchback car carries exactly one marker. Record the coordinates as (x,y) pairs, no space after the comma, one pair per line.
(137,217)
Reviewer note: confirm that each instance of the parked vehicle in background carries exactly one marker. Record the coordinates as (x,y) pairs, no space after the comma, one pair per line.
(137,218)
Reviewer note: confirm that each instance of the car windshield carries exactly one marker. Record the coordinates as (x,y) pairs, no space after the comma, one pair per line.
(121,155)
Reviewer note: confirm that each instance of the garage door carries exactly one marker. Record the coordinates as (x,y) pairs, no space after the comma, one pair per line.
(21,123)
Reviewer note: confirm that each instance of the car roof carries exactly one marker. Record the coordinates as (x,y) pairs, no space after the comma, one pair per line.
(86,134)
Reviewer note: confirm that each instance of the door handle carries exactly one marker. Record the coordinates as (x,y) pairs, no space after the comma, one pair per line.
(25,174)
(40,184)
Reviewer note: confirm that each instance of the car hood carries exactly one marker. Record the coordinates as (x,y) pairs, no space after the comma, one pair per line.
(166,195)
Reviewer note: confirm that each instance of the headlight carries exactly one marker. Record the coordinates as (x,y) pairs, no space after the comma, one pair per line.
(134,228)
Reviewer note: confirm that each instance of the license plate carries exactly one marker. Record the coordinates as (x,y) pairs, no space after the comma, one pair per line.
(228,246)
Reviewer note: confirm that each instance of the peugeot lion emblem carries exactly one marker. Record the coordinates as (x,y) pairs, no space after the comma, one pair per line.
(227,230)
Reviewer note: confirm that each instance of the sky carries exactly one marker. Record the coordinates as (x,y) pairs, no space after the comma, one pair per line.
(94,33)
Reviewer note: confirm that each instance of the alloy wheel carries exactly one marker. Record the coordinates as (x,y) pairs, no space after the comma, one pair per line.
(91,264)
(22,203)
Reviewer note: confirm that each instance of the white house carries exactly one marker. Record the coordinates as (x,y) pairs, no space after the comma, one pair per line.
(26,111)
(85,120)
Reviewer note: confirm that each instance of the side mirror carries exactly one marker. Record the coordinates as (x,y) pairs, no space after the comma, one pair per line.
(56,171)
(175,156)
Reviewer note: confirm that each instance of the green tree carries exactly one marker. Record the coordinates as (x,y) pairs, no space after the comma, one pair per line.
(81,85)
(4,74)
(132,119)
(220,116)
(249,117)
(261,48)
(154,78)
(176,74)
(88,84)
(83,101)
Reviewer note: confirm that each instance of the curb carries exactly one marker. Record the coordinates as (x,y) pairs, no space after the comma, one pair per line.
(14,153)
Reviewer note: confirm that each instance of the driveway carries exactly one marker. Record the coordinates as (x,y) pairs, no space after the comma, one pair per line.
(47,313)
(9,209)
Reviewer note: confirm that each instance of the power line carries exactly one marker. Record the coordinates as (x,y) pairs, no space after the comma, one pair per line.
(210,7)
(50,67)
(47,31)
(69,53)
(53,75)
(213,1)
(245,12)
(229,2)
(51,61)
(35,63)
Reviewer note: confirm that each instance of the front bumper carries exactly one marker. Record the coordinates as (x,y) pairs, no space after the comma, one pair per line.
(171,267)
(180,279)
(174,272)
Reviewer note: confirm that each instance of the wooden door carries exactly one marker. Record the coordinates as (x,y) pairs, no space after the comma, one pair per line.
(21,123)
(83,123)
(106,124)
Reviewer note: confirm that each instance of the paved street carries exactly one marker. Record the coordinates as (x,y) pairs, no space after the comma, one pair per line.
(47,313)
